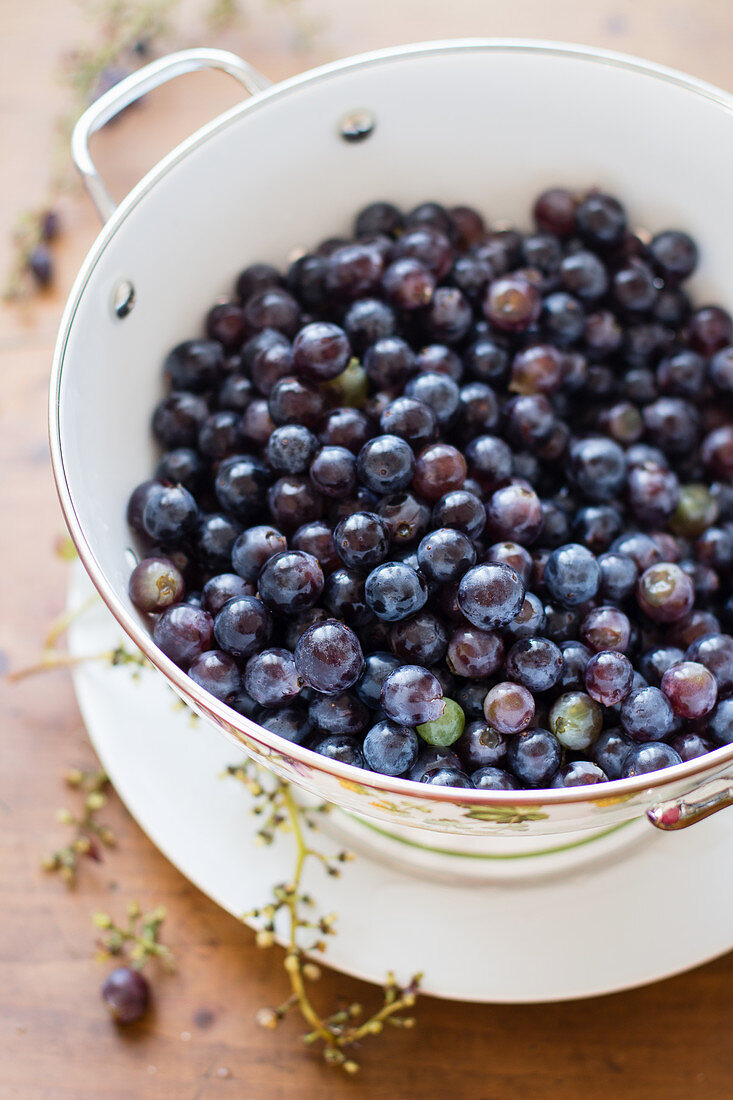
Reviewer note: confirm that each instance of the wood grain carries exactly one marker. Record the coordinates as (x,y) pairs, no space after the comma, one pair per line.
(668,1040)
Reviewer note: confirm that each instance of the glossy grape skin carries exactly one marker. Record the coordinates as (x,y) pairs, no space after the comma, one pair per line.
(272,308)
(293,401)
(257,424)
(445,555)
(447,777)
(610,750)
(719,724)
(126,994)
(181,466)
(554,211)
(411,419)
(534,756)
(597,467)
(293,501)
(291,448)
(665,593)
(638,546)
(690,745)
(461,510)
(271,678)
(440,393)
(421,640)
(341,748)
(177,419)
(270,364)
(255,278)
(169,514)
(653,663)
(674,254)
(406,517)
(512,304)
(362,540)
(411,695)
(491,595)
(563,318)
(480,746)
(572,574)
(214,540)
(535,663)
(216,672)
(345,427)
(470,696)
(575,657)
(512,554)
(715,652)
(710,329)
(344,597)
(366,321)
(576,720)
(194,365)
(690,688)
(583,275)
(321,350)
(487,360)
(595,525)
(446,729)
(155,584)
(390,749)
(491,778)
(333,472)
(606,628)
(183,633)
(378,217)
(514,512)
(221,588)
(489,460)
(646,715)
(241,486)
(509,708)
(651,757)
(328,657)
(473,653)
(408,284)
(243,626)
(439,468)
(389,362)
(529,621)
(579,773)
(377,667)
(254,547)
(537,369)
(343,713)
(385,464)
(608,677)
(291,722)
(600,219)
(395,591)
(610,492)
(290,581)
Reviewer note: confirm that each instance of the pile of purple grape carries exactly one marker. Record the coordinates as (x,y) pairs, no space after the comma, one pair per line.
(455,503)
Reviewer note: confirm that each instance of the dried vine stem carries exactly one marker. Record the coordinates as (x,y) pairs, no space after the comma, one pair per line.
(138,939)
(89,835)
(340,1032)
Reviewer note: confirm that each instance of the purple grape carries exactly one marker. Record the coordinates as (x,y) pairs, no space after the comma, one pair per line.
(328,657)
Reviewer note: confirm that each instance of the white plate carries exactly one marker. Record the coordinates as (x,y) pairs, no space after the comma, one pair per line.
(595,931)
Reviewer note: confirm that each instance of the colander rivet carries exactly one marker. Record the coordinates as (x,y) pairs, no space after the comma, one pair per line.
(357,125)
(123,298)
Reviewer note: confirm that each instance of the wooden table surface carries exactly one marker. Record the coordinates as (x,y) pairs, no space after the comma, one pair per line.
(669,1040)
